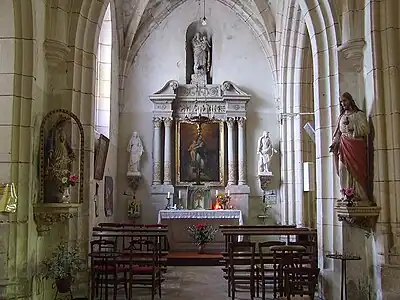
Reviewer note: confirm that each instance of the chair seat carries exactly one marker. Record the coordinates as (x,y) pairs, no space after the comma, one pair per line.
(144,269)
(297,297)
(108,268)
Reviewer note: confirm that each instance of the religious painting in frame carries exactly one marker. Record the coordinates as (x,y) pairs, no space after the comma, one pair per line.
(100,156)
(206,151)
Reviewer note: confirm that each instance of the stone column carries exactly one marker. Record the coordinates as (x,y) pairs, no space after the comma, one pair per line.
(242,151)
(167,151)
(231,156)
(157,150)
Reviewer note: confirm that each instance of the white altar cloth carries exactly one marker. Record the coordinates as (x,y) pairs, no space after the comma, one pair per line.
(179,220)
(200,214)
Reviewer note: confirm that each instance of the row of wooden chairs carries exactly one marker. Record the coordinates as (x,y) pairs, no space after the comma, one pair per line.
(127,256)
(254,267)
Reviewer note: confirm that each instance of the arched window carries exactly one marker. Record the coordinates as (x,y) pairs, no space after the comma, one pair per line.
(103,76)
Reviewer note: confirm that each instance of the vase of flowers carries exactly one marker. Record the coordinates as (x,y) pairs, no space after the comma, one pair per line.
(201,235)
(348,196)
(67,182)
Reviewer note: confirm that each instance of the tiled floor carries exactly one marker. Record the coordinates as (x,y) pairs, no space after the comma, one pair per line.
(193,283)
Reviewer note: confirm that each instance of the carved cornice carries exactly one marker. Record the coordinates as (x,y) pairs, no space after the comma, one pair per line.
(46,215)
(56,52)
(364,217)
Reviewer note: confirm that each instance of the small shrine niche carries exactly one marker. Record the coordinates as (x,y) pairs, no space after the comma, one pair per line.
(198,54)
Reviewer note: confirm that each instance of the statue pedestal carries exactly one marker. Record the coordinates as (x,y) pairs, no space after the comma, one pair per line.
(200,79)
(364,217)
(265,179)
(134,180)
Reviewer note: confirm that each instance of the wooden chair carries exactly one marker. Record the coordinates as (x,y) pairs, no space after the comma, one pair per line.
(241,267)
(300,283)
(106,269)
(266,266)
(144,266)
(284,256)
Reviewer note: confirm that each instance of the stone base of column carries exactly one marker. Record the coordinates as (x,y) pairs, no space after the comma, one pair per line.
(159,195)
(167,173)
(240,199)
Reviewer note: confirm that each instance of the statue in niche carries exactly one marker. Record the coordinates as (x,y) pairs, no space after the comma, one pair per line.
(350,149)
(136,150)
(265,153)
(58,160)
(201,58)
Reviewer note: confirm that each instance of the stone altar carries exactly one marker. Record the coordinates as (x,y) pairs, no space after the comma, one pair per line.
(179,220)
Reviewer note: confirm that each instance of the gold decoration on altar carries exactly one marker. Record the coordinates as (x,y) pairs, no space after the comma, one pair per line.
(9,199)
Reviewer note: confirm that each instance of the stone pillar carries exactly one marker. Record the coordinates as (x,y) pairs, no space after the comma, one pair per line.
(242,151)
(167,151)
(231,156)
(157,150)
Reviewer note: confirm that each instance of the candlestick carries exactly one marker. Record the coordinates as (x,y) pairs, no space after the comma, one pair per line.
(229,193)
(169,195)
(179,195)
(216,193)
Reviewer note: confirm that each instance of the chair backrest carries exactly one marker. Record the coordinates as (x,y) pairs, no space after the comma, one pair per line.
(242,253)
(102,245)
(300,281)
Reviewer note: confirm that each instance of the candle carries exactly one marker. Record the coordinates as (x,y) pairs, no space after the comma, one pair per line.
(180,195)
(216,193)
(169,195)
(229,193)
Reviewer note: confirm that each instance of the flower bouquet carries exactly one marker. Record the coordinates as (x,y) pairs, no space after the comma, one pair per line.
(348,196)
(224,200)
(67,182)
(202,234)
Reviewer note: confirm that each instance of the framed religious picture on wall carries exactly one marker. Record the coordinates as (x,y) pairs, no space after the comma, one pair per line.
(200,153)
(100,156)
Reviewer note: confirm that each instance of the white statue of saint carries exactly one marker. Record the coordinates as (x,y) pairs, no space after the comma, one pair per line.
(265,152)
(135,148)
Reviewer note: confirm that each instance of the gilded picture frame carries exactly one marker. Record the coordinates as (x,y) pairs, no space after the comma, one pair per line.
(213,171)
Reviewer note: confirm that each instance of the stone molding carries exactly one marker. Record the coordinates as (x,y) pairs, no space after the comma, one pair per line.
(364,217)
(353,51)
(56,52)
(46,215)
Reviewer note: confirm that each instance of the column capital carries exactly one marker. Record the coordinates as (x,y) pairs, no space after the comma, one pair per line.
(230,121)
(241,121)
(168,121)
(157,122)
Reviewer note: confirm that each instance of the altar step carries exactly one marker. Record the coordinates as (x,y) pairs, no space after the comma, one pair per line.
(194,259)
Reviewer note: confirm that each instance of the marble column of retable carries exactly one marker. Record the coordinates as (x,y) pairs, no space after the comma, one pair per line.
(242,172)
(157,150)
(167,151)
(231,155)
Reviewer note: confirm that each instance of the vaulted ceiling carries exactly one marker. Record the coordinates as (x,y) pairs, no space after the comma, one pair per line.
(134,15)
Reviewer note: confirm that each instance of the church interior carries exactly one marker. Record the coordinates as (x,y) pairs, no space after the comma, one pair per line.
(189,149)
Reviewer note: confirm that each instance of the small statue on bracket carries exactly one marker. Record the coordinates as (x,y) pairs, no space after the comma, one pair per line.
(136,150)
(265,153)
